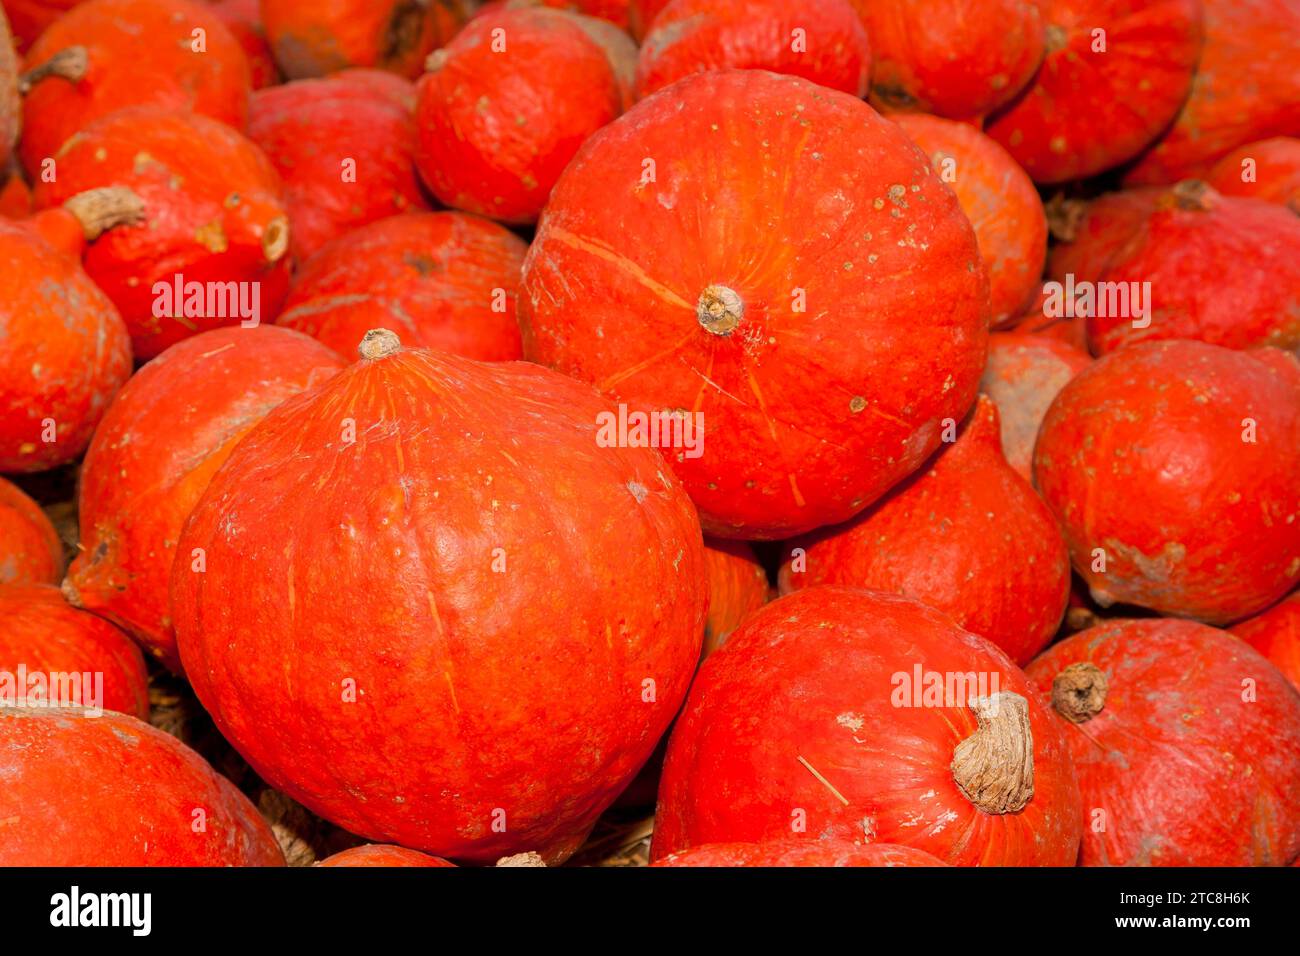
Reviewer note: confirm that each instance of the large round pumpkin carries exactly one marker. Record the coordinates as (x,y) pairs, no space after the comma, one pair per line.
(821,303)
(444,280)
(475,634)
(966,535)
(1115,74)
(820,40)
(837,713)
(214,221)
(800,853)
(30,549)
(344,146)
(113,791)
(1276,634)
(1171,467)
(79,658)
(1267,170)
(1186,743)
(152,456)
(108,54)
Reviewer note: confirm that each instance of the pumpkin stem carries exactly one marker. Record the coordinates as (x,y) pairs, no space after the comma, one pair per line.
(1064,217)
(99,210)
(1079,692)
(994,767)
(719,310)
(70,592)
(1193,195)
(379,343)
(1055,37)
(275,239)
(70,64)
(522,859)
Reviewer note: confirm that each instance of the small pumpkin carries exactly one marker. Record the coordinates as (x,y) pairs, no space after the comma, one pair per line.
(1275,633)
(445,280)
(1024,373)
(66,350)
(244,20)
(215,225)
(691,36)
(30,549)
(1171,468)
(965,535)
(95,663)
(1267,170)
(802,323)
(498,126)
(345,150)
(1000,201)
(1178,764)
(737,587)
(958,58)
(104,55)
(1246,89)
(325,36)
(801,853)
(1114,75)
(113,791)
(520,677)
(381,854)
(980,775)
(152,457)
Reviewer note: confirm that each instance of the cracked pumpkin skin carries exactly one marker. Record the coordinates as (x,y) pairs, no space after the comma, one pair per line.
(165,435)
(214,212)
(770,195)
(1186,772)
(741,759)
(134,802)
(476,690)
(30,549)
(1142,455)
(138,53)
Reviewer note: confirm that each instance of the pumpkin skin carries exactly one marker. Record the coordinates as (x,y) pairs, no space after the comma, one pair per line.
(1142,456)
(10,106)
(691,36)
(1024,373)
(1096,231)
(30,549)
(310,128)
(1275,166)
(956,58)
(627,284)
(741,759)
(1246,89)
(612,11)
(66,352)
(152,456)
(29,18)
(641,16)
(325,36)
(1276,634)
(737,587)
(48,636)
(497,128)
(1186,772)
(437,279)
(447,450)
(379,854)
(966,535)
(800,853)
(244,20)
(135,802)
(213,213)
(137,53)
(1000,201)
(1081,115)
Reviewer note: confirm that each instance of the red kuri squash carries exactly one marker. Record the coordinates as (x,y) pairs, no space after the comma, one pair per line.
(113,791)
(108,54)
(778,258)
(479,629)
(70,657)
(1115,74)
(1186,743)
(1267,170)
(152,456)
(382,854)
(821,40)
(1276,634)
(445,280)
(244,20)
(800,853)
(211,250)
(30,549)
(907,730)
(965,535)
(1171,467)
(737,588)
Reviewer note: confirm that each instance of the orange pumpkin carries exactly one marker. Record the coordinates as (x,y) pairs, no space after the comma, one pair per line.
(30,549)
